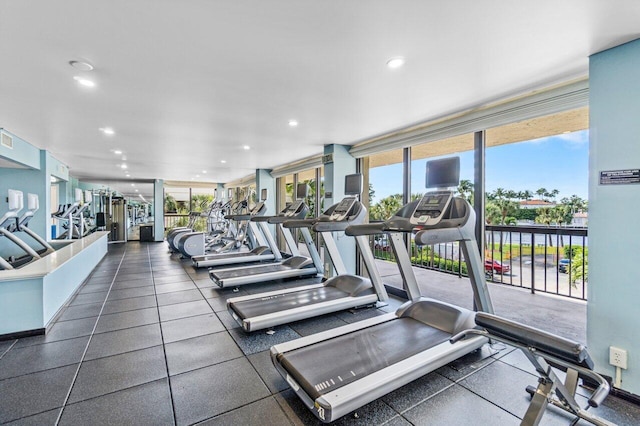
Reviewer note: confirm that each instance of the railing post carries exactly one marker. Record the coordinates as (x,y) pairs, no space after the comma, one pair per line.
(533,263)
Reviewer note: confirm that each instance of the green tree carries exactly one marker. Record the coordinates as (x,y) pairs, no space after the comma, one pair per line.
(503,199)
(545,217)
(579,267)
(170,204)
(465,190)
(386,207)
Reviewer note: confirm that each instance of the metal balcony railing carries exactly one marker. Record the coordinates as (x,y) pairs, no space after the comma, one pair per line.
(546,259)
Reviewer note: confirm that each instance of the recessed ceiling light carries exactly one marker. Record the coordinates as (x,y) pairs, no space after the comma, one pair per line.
(117,152)
(396,62)
(136,190)
(293,123)
(197,175)
(223,161)
(81,65)
(246,147)
(84,81)
(133,184)
(107,131)
(204,171)
(123,166)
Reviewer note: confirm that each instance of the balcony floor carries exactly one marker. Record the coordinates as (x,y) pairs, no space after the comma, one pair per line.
(147,340)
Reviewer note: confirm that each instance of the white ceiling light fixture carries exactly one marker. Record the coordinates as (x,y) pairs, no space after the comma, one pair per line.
(84,81)
(117,152)
(107,131)
(204,171)
(81,65)
(395,62)
(223,161)
(293,123)
(246,147)
(133,184)
(123,166)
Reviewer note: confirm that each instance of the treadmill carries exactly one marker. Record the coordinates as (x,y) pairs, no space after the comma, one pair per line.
(296,266)
(266,249)
(297,209)
(343,291)
(10,220)
(339,370)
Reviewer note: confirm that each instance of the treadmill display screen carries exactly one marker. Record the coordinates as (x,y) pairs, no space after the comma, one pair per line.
(431,207)
(293,208)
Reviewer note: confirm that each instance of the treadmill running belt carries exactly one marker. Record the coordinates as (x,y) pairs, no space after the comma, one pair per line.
(282,302)
(333,363)
(245,272)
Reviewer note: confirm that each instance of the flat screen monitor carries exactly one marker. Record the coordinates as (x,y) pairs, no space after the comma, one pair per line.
(353,184)
(79,195)
(443,173)
(301,191)
(263,194)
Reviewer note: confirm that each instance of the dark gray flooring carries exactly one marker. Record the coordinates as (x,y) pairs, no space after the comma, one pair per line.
(147,340)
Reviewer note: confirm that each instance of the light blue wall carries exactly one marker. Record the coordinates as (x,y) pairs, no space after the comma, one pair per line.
(264,180)
(613,310)
(22,152)
(158,210)
(343,164)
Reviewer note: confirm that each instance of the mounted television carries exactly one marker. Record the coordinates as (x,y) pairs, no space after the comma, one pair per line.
(301,191)
(353,184)
(263,194)
(16,199)
(443,173)
(79,195)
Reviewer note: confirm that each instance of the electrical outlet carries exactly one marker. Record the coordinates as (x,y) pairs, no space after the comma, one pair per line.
(618,357)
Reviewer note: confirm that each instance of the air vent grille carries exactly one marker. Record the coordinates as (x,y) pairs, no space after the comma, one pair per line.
(6,141)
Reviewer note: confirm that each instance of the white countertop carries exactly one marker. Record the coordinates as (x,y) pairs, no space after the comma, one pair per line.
(51,262)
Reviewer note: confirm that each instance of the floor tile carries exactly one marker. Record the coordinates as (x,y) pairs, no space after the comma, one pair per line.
(128,319)
(132,284)
(227,320)
(265,411)
(80,311)
(134,276)
(202,351)
(30,359)
(261,341)
(34,393)
(114,373)
(94,288)
(180,286)
(417,391)
(5,345)
(185,328)
(502,385)
(120,341)
(179,297)
(209,391)
(204,283)
(183,310)
(46,418)
(160,279)
(123,305)
(62,330)
(468,364)
(261,361)
(82,299)
(128,293)
(147,404)
(458,406)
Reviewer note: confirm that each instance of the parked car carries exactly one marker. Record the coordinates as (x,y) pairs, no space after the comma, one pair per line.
(492,266)
(563,265)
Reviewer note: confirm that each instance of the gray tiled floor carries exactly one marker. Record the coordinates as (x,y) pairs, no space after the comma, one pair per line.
(148,340)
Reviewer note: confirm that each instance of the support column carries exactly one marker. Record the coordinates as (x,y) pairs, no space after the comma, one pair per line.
(335,170)
(158,210)
(614,231)
(479,146)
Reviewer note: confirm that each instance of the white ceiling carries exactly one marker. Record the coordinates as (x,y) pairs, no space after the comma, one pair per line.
(185,84)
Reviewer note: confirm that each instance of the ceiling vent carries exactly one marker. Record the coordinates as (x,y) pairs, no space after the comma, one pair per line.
(7,141)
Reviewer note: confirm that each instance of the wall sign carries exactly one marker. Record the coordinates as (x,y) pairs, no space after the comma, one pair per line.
(620,177)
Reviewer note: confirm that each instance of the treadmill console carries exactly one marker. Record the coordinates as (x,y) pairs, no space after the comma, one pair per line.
(293,208)
(431,208)
(341,212)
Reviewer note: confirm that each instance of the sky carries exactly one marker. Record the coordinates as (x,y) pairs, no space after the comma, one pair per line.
(558,162)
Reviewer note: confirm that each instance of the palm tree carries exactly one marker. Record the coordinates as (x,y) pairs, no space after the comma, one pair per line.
(544,217)
(170,204)
(542,193)
(465,189)
(525,195)
(386,207)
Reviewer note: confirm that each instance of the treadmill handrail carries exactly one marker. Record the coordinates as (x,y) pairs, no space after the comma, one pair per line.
(364,229)
(300,223)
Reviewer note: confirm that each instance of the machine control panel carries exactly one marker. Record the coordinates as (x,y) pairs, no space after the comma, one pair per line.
(431,208)
(341,212)
(293,208)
